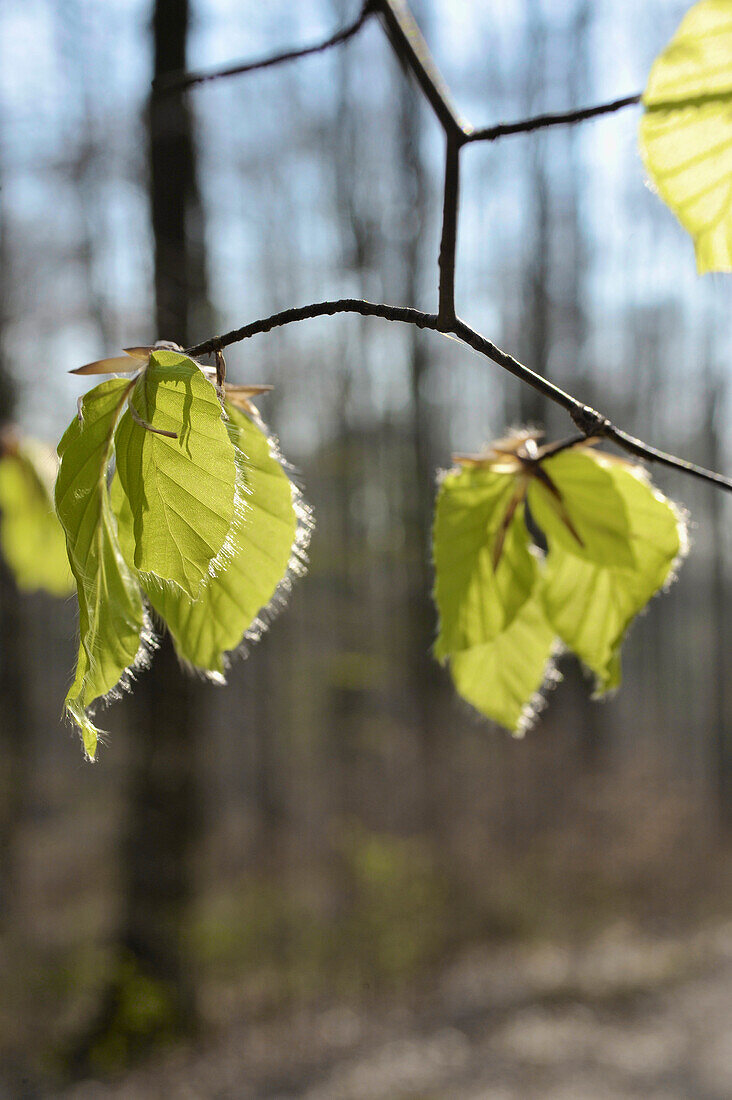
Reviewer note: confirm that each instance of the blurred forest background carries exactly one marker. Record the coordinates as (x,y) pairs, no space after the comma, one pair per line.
(332,851)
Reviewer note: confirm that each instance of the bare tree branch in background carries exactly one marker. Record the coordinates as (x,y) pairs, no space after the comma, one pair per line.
(177,81)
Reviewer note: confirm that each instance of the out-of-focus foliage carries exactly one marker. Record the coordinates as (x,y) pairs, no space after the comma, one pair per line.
(686,130)
(401,917)
(200,519)
(612,542)
(31,539)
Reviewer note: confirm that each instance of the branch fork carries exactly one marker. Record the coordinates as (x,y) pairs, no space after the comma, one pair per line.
(411,49)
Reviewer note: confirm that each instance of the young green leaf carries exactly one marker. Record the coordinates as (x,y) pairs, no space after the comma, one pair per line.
(476,600)
(31,537)
(113,631)
(271,541)
(686,130)
(501,678)
(180,484)
(579,508)
(591,604)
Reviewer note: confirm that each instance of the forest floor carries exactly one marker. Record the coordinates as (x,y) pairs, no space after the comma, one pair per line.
(625,1015)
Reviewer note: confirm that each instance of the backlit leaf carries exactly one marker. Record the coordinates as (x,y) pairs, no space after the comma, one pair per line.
(686,130)
(591,605)
(181,490)
(271,539)
(501,678)
(597,513)
(476,601)
(113,635)
(32,540)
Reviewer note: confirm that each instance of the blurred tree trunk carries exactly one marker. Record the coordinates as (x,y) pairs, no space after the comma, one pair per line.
(534,330)
(719,701)
(423,672)
(340,741)
(573,261)
(164,803)
(151,997)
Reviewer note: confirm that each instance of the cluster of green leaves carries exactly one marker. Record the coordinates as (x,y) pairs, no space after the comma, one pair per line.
(505,607)
(686,130)
(31,540)
(173,499)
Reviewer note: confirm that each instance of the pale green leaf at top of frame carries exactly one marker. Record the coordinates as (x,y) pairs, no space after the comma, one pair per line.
(181,491)
(270,543)
(31,538)
(686,130)
(502,678)
(591,606)
(476,602)
(112,627)
(591,501)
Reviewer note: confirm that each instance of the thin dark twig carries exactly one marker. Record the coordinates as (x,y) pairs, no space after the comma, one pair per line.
(176,81)
(650,454)
(588,420)
(540,122)
(316,309)
(411,48)
(448,240)
(552,449)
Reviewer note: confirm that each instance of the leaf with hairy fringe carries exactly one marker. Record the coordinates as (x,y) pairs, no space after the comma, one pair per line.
(591,605)
(271,541)
(111,616)
(177,467)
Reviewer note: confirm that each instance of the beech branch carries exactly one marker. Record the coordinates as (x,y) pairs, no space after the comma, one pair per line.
(448,239)
(413,53)
(588,420)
